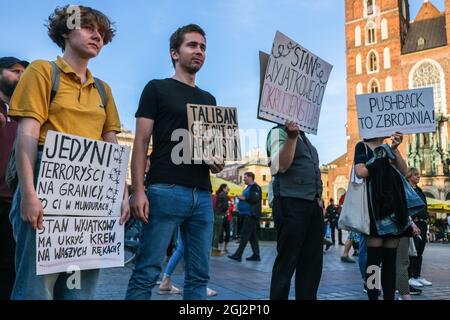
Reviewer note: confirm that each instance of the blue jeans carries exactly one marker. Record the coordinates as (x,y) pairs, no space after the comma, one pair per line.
(172,206)
(29,286)
(362,255)
(176,256)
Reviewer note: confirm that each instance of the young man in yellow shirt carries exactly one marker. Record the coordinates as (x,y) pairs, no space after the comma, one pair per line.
(76,109)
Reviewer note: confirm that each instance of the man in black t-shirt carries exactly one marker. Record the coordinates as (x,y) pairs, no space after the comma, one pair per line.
(179,191)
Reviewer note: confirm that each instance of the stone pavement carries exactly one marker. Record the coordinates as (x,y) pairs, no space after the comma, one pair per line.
(251,280)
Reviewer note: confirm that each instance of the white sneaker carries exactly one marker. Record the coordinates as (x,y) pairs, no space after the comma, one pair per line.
(211,292)
(424,281)
(415,283)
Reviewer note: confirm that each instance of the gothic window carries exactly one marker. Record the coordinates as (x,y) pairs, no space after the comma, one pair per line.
(387,58)
(428,74)
(384,29)
(358,64)
(357,36)
(372,62)
(359,88)
(420,43)
(370,7)
(374,87)
(371,33)
(388,84)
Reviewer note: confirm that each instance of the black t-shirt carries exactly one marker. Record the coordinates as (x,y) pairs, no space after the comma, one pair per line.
(361,154)
(423,214)
(165,102)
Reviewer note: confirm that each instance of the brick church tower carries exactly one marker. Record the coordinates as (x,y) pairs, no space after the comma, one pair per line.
(387,50)
(375,30)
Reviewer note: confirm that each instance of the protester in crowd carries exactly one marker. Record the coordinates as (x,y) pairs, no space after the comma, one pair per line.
(179,191)
(421,221)
(382,249)
(250,207)
(10,71)
(220,212)
(327,230)
(352,237)
(225,231)
(166,286)
(336,220)
(402,263)
(297,213)
(37,112)
(333,218)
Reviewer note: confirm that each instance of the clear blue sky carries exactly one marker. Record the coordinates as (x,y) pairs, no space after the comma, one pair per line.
(236,31)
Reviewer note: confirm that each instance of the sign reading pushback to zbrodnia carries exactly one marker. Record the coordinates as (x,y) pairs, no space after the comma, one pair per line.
(294,84)
(407,111)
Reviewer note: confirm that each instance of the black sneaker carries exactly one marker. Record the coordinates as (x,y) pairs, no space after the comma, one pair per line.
(253,258)
(414,291)
(347,259)
(233,257)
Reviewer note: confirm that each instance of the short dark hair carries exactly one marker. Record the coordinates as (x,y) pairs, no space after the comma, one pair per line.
(250,175)
(221,188)
(57,24)
(177,38)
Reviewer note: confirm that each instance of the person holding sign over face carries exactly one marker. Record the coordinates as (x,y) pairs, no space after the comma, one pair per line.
(179,191)
(297,213)
(76,108)
(381,246)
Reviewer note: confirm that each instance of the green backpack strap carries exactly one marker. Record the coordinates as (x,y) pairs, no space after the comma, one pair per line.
(56,74)
(101,90)
(55,80)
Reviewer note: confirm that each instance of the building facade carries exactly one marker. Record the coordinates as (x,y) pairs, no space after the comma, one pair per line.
(386,50)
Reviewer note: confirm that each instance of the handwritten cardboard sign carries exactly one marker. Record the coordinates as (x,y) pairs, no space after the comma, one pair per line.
(213,131)
(81,177)
(407,111)
(294,85)
(79,243)
(80,185)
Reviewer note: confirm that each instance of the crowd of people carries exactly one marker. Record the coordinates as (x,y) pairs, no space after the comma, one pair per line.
(176,197)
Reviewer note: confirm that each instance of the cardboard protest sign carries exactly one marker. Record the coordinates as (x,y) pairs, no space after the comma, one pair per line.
(81,177)
(213,131)
(263,62)
(294,85)
(78,243)
(407,111)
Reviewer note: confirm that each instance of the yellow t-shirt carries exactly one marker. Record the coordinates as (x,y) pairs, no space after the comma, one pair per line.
(76,109)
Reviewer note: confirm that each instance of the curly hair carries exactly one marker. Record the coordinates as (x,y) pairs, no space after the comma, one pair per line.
(57,23)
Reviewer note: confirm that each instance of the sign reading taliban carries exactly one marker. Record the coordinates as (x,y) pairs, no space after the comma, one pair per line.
(213,131)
